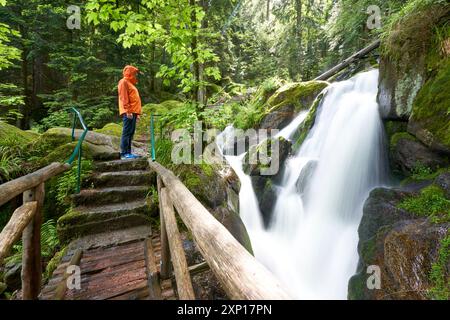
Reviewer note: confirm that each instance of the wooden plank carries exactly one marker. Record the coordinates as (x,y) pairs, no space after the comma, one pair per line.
(180,267)
(11,233)
(13,188)
(349,61)
(196,269)
(165,251)
(241,275)
(62,287)
(31,252)
(152,271)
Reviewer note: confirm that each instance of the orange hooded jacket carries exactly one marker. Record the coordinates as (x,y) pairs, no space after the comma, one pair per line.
(129,99)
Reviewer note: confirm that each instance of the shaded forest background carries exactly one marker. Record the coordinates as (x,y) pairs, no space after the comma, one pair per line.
(186,49)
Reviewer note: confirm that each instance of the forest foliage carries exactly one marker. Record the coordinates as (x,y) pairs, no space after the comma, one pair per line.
(187,50)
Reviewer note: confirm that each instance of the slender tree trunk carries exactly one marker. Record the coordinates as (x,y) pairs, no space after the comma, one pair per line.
(268,10)
(195,66)
(23,123)
(298,34)
(152,68)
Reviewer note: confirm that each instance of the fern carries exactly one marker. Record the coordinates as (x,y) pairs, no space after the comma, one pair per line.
(49,243)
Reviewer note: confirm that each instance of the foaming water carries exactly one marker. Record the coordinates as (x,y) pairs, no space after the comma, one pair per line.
(311,243)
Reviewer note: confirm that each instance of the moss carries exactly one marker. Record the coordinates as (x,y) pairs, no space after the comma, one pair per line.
(430,202)
(400,135)
(207,169)
(111,129)
(431,108)
(409,32)
(63,153)
(54,262)
(439,276)
(9,133)
(304,128)
(393,127)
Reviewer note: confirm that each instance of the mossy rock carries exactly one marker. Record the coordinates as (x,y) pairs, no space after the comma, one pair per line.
(111,129)
(430,119)
(11,133)
(63,153)
(56,145)
(299,94)
(307,124)
(409,47)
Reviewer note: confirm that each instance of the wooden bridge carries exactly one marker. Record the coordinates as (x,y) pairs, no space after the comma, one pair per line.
(117,253)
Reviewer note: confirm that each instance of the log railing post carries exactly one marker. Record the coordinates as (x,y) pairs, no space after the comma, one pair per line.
(165,250)
(178,258)
(31,239)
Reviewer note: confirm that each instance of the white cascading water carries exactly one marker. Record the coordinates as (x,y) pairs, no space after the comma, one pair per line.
(311,243)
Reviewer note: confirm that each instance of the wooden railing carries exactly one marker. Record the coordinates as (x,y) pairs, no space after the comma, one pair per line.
(240,274)
(26,221)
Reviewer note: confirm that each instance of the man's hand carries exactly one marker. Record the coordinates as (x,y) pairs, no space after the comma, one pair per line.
(138,117)
(129,115)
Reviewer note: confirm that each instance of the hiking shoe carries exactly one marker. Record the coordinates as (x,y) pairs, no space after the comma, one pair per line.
(128,156)
(135,156)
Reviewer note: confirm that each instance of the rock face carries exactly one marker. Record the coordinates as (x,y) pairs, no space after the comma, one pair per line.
(403,245)
(408,153)
(430,120)
(399,84)
(410,249)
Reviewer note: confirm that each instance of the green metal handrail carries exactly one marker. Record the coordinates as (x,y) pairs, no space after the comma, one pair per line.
(78,149)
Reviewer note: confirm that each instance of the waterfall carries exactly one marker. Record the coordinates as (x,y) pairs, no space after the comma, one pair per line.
(311,242)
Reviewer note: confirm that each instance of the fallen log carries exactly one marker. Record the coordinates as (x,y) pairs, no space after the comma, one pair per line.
(344,64)
(13,230)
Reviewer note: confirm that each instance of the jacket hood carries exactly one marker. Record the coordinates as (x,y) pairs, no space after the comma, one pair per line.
(129,73)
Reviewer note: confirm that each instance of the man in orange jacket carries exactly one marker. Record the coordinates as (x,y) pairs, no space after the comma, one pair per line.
(130,109)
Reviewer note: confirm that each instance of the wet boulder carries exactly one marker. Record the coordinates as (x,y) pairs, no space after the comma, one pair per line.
(443,181)
(408,153)
(264,163)
(12,276)
(306,175)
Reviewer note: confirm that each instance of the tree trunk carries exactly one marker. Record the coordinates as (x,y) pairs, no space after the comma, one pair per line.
(24,109)
(268,10)
(298,37)
(195,65)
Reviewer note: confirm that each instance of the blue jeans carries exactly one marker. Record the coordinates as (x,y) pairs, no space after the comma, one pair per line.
(129,127)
